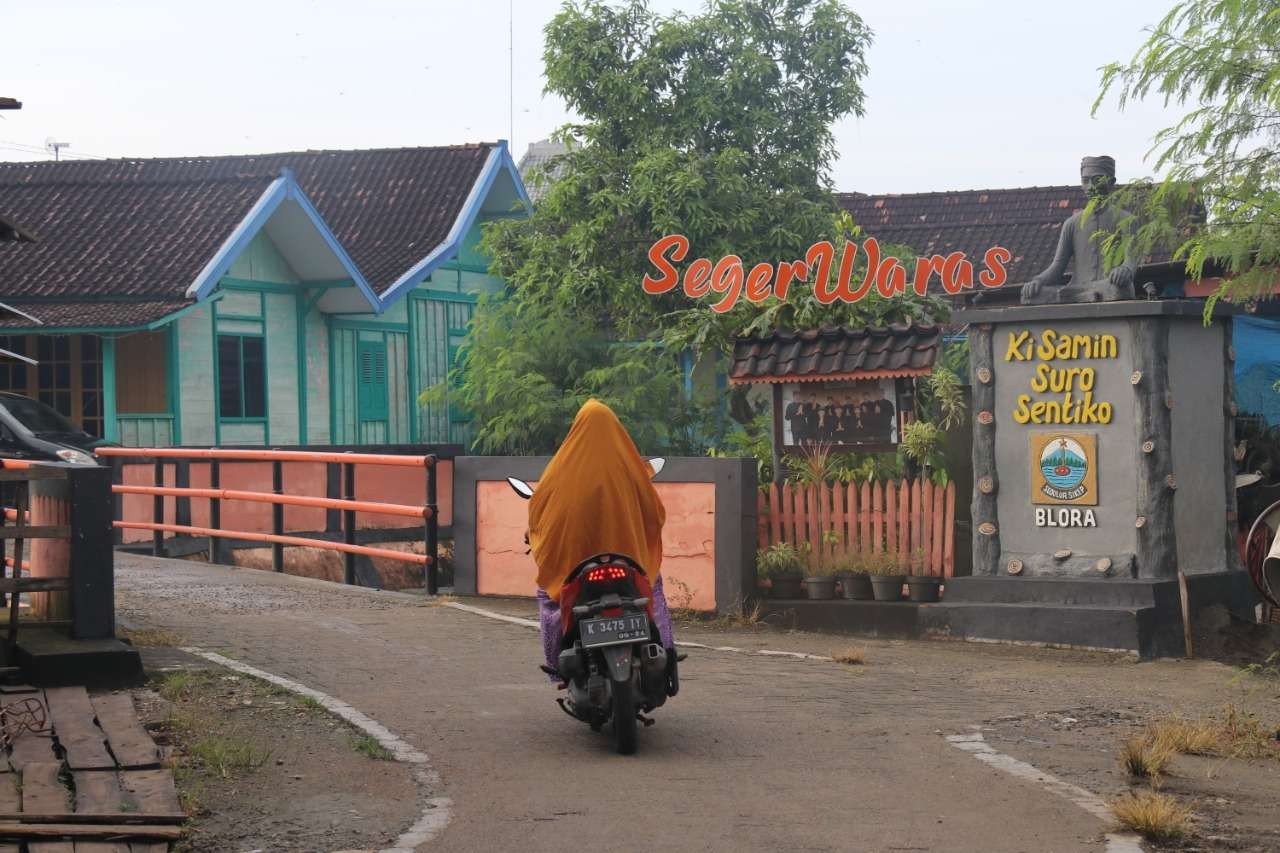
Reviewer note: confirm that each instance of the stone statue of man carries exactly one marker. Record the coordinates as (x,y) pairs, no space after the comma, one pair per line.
(1080,241)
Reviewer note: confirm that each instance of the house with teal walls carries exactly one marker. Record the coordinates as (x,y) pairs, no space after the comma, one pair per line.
(285,299)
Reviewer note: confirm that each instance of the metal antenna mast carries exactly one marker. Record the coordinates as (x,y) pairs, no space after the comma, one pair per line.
(511,74)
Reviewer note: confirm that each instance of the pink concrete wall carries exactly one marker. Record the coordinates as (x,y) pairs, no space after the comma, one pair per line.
(373,482)
(688,540)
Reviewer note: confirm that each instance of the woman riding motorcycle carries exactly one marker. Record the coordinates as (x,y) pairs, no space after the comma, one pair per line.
(594,497)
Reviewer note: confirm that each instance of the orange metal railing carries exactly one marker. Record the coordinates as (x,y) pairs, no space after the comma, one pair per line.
(348,505)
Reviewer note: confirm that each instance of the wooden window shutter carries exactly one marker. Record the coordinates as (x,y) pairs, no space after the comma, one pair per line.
(371,380)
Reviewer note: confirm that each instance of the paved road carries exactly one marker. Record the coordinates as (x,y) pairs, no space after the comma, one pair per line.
(757,753)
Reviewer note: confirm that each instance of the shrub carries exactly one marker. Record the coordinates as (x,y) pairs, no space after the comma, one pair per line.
(1152,815)
(781,558)
(883,564)
(1143,758)
(1185,736)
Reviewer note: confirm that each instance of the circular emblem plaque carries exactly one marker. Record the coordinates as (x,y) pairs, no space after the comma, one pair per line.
(984,375)
(1064,464)
(986,485)
(1136,377)
(1015,567)
(1103,565)
(1148,446)
(985,417)
(986,528)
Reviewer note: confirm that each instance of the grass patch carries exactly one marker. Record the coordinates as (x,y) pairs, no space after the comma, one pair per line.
(191,794)
(1246,736)
(1153,815)
(228,757)
(1185,737)
(852,656)
(311,703)
(368,745)
(149,637)
(739,614)
(1143,758)
(181,684)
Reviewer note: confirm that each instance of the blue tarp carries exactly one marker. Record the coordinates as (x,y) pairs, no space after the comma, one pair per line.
(1257,344)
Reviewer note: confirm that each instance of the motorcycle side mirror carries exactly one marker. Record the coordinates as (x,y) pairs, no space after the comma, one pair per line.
(657,464)
(521,488)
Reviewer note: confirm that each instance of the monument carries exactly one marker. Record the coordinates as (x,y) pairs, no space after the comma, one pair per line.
(1102,454)
(1081,241)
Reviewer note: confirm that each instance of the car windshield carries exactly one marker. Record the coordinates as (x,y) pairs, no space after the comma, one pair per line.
(38,417)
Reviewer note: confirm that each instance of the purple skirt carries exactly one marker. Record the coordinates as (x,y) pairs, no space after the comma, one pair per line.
(549,622)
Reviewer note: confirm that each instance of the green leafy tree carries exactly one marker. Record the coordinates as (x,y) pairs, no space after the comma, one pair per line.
(716,126)
(530,367)
(1219,60)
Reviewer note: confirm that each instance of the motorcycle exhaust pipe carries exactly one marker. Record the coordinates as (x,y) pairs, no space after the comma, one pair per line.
(653,658)
(569,664)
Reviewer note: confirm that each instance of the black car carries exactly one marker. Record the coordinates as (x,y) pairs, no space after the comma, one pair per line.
(31,430)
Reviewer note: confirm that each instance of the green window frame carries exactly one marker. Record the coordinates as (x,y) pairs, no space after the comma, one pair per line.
(372,402)
(242,378)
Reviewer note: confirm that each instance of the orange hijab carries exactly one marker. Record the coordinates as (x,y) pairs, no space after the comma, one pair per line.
(595,496)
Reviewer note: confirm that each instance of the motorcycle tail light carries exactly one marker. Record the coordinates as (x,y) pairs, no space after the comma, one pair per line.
(604,574)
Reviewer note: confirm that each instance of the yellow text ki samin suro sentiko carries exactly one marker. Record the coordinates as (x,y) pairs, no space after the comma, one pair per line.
(1071,386)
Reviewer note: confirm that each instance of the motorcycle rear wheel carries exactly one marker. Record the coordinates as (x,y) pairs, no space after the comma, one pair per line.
(624,717)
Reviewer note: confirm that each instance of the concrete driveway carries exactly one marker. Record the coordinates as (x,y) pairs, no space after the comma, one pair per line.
(758,752)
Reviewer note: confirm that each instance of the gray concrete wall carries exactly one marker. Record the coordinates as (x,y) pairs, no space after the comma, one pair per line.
(1117,476)
(1199,420)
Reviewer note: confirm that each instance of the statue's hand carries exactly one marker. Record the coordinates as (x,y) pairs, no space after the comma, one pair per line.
(1122,276)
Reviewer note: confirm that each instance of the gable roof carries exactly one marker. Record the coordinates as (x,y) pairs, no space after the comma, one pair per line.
(836,352)
(140,231)
(1024,220)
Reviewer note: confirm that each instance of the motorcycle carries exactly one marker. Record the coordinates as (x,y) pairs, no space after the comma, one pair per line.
(612,663)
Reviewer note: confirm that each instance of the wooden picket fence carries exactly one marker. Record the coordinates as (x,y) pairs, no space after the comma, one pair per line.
(912,519)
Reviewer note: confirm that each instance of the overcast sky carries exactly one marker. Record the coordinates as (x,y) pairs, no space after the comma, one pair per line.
(961,95)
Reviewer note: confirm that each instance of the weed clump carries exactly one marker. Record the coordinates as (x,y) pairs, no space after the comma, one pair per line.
(1153,815)
(1143,758)
(368,745)
(852,656)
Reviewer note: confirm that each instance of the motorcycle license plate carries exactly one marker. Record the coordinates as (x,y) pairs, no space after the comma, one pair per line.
(613,630)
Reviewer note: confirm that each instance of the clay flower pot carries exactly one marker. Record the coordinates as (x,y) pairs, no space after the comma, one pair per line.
(855,587)
(925,588)
(786,586)
(820,588)
(887,587)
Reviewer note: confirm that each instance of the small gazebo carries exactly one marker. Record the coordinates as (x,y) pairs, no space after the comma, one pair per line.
(847,389)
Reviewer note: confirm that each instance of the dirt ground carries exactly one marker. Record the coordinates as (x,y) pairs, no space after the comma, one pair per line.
(258,768)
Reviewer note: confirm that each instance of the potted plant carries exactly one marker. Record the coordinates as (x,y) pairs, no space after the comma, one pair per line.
(783,564)
(921,587)
(886,578)
(820,582)
(851,572)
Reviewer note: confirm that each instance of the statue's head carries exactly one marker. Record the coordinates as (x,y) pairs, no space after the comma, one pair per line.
(1097,175)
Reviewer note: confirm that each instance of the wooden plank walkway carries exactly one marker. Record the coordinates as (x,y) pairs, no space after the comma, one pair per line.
(81,775)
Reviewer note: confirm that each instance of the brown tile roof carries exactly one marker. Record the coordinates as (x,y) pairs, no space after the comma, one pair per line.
(145,228)
(836,352)
(1024,220)
(102,313)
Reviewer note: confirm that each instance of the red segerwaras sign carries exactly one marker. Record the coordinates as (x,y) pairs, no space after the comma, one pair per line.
(887,275)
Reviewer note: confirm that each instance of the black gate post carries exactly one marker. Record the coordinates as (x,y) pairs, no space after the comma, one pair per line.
(157,513)
(432,530)
(215,511)
(349,523)
(277,515)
